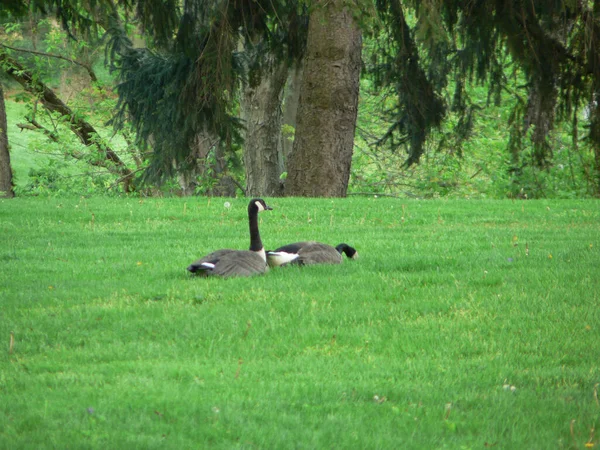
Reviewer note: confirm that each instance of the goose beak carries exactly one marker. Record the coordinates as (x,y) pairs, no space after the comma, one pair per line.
(268,208)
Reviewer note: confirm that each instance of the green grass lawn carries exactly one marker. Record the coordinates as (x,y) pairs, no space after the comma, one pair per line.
(463,324)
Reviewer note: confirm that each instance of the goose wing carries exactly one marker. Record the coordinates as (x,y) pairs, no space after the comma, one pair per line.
(207,263)
(227,263)
(295,247)
(240,263)
(318,253)
(304,253)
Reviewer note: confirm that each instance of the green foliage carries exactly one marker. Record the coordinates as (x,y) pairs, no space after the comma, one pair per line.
(488,146)
(54,179)
(483,164)
(54,161)
(13,7)
(50,134)
(549,45)
(462,324)
(288,132)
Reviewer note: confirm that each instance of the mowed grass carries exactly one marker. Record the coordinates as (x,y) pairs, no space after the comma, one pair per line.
(464,324)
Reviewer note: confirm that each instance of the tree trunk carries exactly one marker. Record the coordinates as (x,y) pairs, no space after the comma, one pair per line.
(192,173)
(594,139)
(596,170)
(261,111)
(225,185)
(206,169)
(6,187)
(290,109)
(319,165)
(540,114)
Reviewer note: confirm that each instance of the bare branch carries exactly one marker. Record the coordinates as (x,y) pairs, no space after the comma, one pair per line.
(35,126)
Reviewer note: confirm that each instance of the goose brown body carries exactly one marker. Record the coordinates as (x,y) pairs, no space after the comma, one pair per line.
(240,263)
(309,252)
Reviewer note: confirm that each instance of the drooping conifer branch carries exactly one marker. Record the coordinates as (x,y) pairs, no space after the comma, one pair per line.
(419,108)
(195,75)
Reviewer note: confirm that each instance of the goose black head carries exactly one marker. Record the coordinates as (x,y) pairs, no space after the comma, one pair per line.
(350,252)
(258,205)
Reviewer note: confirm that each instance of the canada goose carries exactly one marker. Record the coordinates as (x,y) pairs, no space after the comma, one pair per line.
(304,253)
(241,263)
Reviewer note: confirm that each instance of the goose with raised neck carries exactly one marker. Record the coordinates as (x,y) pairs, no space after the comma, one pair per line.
(241,263)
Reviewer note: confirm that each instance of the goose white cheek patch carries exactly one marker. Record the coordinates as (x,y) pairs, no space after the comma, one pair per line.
(208,265)
(259,206)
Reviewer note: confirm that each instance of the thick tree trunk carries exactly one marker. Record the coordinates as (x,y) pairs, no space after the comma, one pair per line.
(290,109)
(6,187)
(540,114)
(596,170)
(192,173)
(261,111)
(206,169)
(225,185)
(319,165)
(84,130)
(594,138)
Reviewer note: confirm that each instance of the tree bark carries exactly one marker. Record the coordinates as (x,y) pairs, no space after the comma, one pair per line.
(225,185)
(85,131)
(6,186)
(594,138)
(290,109)
(596,148)
(261,111)
(319,165)
(205,170)
(540,114)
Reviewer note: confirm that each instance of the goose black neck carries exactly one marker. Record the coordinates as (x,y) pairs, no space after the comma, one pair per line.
(346,249)
(341,248)
(255,242)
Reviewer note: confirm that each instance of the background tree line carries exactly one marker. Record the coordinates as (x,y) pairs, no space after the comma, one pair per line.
(208,94)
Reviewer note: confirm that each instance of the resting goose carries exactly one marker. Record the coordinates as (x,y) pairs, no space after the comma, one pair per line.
(304,253)
(240,263)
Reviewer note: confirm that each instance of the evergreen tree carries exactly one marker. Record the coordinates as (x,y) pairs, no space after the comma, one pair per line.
(554,43)
(195,76)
